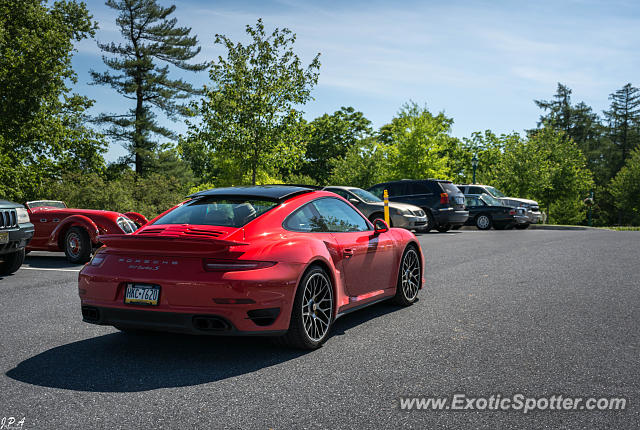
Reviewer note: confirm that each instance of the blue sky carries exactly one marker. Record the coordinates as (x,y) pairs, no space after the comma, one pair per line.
(481,62)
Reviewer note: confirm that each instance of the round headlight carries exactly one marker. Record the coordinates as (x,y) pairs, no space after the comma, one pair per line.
(23,215)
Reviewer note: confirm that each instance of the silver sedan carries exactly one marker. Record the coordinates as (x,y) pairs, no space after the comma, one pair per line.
(401,214)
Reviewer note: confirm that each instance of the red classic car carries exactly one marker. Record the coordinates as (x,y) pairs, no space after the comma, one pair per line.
(75,231)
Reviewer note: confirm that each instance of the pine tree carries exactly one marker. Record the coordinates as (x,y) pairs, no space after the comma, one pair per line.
(623,119)
(140,67)
(582,125)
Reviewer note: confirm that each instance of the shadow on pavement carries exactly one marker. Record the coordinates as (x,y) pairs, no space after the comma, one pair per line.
(119,362)
(54,261)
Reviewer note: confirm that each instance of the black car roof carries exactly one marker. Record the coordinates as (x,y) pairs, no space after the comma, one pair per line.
(271,192)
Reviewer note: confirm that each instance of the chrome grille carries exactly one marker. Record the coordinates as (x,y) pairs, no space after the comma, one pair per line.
(8,218)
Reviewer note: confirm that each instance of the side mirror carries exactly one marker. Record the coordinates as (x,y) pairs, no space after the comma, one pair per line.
(380,226)
(354,201)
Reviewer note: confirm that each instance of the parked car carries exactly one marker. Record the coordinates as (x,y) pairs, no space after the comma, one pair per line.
(531,206)
(400,214)
(441,200)
(260,260)
(486,212)
(75,231)
(15,233)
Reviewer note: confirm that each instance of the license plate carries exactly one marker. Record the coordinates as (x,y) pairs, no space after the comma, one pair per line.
(142,294)
(4,237)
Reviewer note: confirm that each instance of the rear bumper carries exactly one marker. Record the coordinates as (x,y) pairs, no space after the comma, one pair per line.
(244,302)
(452,217)
(18,238)
(174,322)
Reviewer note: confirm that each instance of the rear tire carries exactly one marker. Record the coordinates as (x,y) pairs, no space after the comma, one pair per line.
(409,277)
(12,262)
(456,227)
(312,312)
(77,245)
(483,222)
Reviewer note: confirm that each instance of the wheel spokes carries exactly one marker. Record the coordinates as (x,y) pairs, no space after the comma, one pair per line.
(317,306)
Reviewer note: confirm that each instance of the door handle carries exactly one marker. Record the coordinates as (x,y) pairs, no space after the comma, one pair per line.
(347,252)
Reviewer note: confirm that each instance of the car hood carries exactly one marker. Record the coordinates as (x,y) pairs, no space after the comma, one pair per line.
(73,211)
(5,204)
(515,199)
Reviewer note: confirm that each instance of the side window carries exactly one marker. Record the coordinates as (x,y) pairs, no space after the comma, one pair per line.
(434,187)
(473,201)
(476,190)
(305,219)
(418,188)
(337,216)
(398,189)
(377,191)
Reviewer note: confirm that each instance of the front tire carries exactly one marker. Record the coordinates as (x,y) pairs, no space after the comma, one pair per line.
(522,226)
(483,222)
(443,228)
(430,222)
(409,278)
(12,262)
(312,313)
(77,245)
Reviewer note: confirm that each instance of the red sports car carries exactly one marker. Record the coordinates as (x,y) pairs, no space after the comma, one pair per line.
(75,231)
(265,260)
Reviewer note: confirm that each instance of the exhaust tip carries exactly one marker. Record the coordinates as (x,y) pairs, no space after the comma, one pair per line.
(210,323)
(90,314)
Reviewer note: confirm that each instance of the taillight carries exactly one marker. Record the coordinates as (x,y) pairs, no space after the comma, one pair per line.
(444,198)
(215,265)
(512,212)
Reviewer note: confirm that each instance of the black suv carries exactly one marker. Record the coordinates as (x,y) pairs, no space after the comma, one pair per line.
(15,233)
(441,200)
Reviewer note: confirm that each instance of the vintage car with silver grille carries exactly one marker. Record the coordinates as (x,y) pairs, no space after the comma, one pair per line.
(15,233)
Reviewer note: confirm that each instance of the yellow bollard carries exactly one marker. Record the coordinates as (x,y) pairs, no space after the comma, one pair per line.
(386,207)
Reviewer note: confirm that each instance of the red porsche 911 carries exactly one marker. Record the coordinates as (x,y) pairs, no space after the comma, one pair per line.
(264,260)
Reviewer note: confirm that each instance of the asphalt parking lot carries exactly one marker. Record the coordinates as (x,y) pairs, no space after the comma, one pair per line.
(538,312)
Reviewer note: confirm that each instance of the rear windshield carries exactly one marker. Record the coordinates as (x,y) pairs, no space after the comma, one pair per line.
(226,212)
(449,188)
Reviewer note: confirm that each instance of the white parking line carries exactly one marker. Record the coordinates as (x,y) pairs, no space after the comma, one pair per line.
(55,270)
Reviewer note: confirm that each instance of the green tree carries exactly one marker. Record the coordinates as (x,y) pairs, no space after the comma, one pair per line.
(153,43)
(250,112)
(623,118)
(364,165)
(583,126)
(547,167)
(625,189)
(331,136)
(418,144)
(42,124)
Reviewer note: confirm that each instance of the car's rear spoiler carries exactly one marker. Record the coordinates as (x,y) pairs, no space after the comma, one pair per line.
(164,245)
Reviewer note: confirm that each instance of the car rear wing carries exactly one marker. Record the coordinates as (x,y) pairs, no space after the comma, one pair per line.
(164,245)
